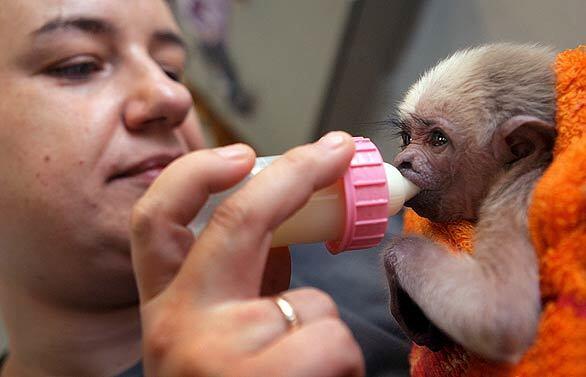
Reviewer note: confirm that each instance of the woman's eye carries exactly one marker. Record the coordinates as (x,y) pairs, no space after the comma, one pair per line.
(75,71)
(175,76)
(406,138)
(438,138)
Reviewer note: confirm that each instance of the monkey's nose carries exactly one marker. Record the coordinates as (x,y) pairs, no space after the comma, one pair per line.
(405,165)
(404,161)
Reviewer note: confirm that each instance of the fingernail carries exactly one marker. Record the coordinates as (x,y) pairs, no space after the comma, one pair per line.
(232,152)
(332,140)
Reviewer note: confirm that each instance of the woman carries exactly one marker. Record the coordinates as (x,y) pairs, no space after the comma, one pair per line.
(92,110)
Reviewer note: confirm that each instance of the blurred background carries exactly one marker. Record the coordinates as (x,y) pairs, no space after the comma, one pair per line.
(305,67)
(279,73)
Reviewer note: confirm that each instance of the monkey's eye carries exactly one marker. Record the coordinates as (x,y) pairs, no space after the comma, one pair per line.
(406,138)
(438,138)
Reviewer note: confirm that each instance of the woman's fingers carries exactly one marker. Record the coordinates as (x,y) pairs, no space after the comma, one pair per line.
(228,260)
(159,237)
(251,337)
(322,348)
(207,315)
(310,304)
(251,325)
(182,189)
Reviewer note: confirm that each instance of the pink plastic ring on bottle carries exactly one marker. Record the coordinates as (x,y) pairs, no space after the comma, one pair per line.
(367,197)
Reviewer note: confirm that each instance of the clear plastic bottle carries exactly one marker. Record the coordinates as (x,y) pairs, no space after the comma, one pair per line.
(325,216)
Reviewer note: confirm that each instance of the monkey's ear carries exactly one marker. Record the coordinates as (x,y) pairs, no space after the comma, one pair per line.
(521,136)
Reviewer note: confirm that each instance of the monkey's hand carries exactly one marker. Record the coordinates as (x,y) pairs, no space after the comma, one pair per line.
(436,294)
(407,313)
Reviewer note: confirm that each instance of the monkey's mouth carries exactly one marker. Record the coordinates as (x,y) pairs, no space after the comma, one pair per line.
(426,203)
(421,197)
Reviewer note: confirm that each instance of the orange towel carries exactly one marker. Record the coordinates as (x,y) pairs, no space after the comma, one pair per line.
(557,221)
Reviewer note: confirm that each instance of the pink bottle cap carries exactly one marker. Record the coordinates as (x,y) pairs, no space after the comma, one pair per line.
(367,196)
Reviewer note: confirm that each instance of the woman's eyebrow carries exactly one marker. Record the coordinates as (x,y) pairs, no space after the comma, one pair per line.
(84,24)
(96,26)
(170,37)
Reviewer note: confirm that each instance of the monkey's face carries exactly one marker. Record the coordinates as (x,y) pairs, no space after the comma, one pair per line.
(449,166)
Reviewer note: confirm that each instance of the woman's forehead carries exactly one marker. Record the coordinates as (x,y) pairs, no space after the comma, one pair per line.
(24,17)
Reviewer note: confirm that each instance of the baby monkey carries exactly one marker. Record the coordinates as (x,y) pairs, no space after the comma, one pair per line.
(477,131)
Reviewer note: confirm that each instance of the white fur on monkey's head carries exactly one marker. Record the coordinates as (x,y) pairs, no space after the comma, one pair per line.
(482,87)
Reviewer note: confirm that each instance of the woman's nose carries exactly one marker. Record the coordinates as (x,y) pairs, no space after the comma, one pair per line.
(155,100)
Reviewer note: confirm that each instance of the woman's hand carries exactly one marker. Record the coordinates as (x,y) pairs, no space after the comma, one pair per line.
(202,314)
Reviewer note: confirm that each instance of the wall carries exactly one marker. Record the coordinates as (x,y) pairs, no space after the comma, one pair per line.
(285,52)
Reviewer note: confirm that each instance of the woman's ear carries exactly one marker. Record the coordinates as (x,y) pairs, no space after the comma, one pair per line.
(521,136)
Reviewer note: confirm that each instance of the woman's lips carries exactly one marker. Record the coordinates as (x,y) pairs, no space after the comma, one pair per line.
(148,176)
(146,170)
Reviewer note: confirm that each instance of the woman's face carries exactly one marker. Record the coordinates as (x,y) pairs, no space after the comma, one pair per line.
(90,111)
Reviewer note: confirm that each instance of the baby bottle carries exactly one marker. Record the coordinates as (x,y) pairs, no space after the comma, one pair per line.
(350,214)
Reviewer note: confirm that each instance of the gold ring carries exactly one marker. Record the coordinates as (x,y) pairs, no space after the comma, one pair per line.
(288,312)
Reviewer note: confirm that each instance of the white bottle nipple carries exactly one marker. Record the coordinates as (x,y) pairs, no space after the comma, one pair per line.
(400,189)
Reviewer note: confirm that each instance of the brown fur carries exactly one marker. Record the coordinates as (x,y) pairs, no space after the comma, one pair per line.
(495,106)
